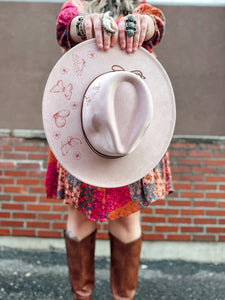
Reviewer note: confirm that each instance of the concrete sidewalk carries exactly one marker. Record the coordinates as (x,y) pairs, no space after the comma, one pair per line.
(43,275)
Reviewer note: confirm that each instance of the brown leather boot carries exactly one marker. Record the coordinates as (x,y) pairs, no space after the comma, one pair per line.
(125,259)
(80,259)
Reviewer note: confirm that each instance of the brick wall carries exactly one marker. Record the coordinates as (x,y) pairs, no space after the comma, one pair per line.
(195,212)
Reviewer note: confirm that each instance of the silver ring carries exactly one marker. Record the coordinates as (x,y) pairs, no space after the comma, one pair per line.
(130,28)
(107,23)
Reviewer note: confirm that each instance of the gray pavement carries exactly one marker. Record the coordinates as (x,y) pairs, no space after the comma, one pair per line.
(39,275)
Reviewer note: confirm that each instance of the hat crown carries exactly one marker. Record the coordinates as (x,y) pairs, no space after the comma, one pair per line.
(117,110)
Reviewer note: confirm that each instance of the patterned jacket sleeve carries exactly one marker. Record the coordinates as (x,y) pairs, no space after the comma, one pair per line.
(159,21)
(69,10)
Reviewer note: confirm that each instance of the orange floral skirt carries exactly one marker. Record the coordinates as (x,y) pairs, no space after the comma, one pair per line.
(102,204)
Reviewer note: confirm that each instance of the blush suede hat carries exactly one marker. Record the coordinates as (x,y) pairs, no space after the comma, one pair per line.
(108,116)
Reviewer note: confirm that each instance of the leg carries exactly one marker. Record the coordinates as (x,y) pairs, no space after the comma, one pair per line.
(80,246)
(125,240)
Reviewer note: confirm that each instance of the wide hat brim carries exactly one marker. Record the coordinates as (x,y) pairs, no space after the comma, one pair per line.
(61,111)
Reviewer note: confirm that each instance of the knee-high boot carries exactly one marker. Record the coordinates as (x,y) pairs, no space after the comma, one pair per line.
(80,259)
(125,259)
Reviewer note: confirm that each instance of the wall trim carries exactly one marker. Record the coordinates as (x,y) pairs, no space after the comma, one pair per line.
(40,134)
(153,2)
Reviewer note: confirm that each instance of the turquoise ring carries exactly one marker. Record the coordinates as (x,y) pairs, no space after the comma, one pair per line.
(130,25)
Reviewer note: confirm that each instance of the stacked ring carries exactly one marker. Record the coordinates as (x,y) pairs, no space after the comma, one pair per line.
(130,29)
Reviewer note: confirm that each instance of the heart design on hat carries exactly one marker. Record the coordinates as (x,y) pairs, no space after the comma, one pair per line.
(119,118)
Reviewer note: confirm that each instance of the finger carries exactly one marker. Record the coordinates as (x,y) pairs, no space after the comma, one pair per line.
(143,30)
(114,36)
(106,40)
(129,44)
(136,36)
(98,30)
(88,27)
(122,34)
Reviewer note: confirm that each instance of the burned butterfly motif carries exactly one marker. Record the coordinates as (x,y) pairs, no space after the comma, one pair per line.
(68,143)
(60,88)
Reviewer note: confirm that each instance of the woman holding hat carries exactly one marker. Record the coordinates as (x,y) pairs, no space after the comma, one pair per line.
(131,25)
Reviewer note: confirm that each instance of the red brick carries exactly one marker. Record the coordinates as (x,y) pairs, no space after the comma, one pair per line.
(26,148)
(147,210)
(191,229)
(153,237)
(181,169)
(204,238)
(178,237)
(6,180)
(218,162)
(219,155)
(215,229)
(50,200)
(179,220)
(166,211)
(182,186)
(28,181)
(222,221)
(4,231)
(178,153)
(37,190)
(37,174)
(192,194)
(200,154)
(16,173)
(60,208)
(205,203)
(15,189)
(153,219)
(222,238)
(44,149)
(222,187)
(54,234)
(38,207)
(166,228)
(192,212)
(190,162)
(159,202)
(216,212)
(4,215)
(204,221)
(146,228)
(215,178)
(38,224)
(23,232)
(9,155)
(5,147)
(102,235)
(12,206)
(59,225)
(37,156)
(105,226)
(28,166)
(203,186)
(204,170)
(191,177)
(11,223)
(24,216)
(215,195)
(184,145)
(7,165)
(179,203)
(26,198)
(4,197)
